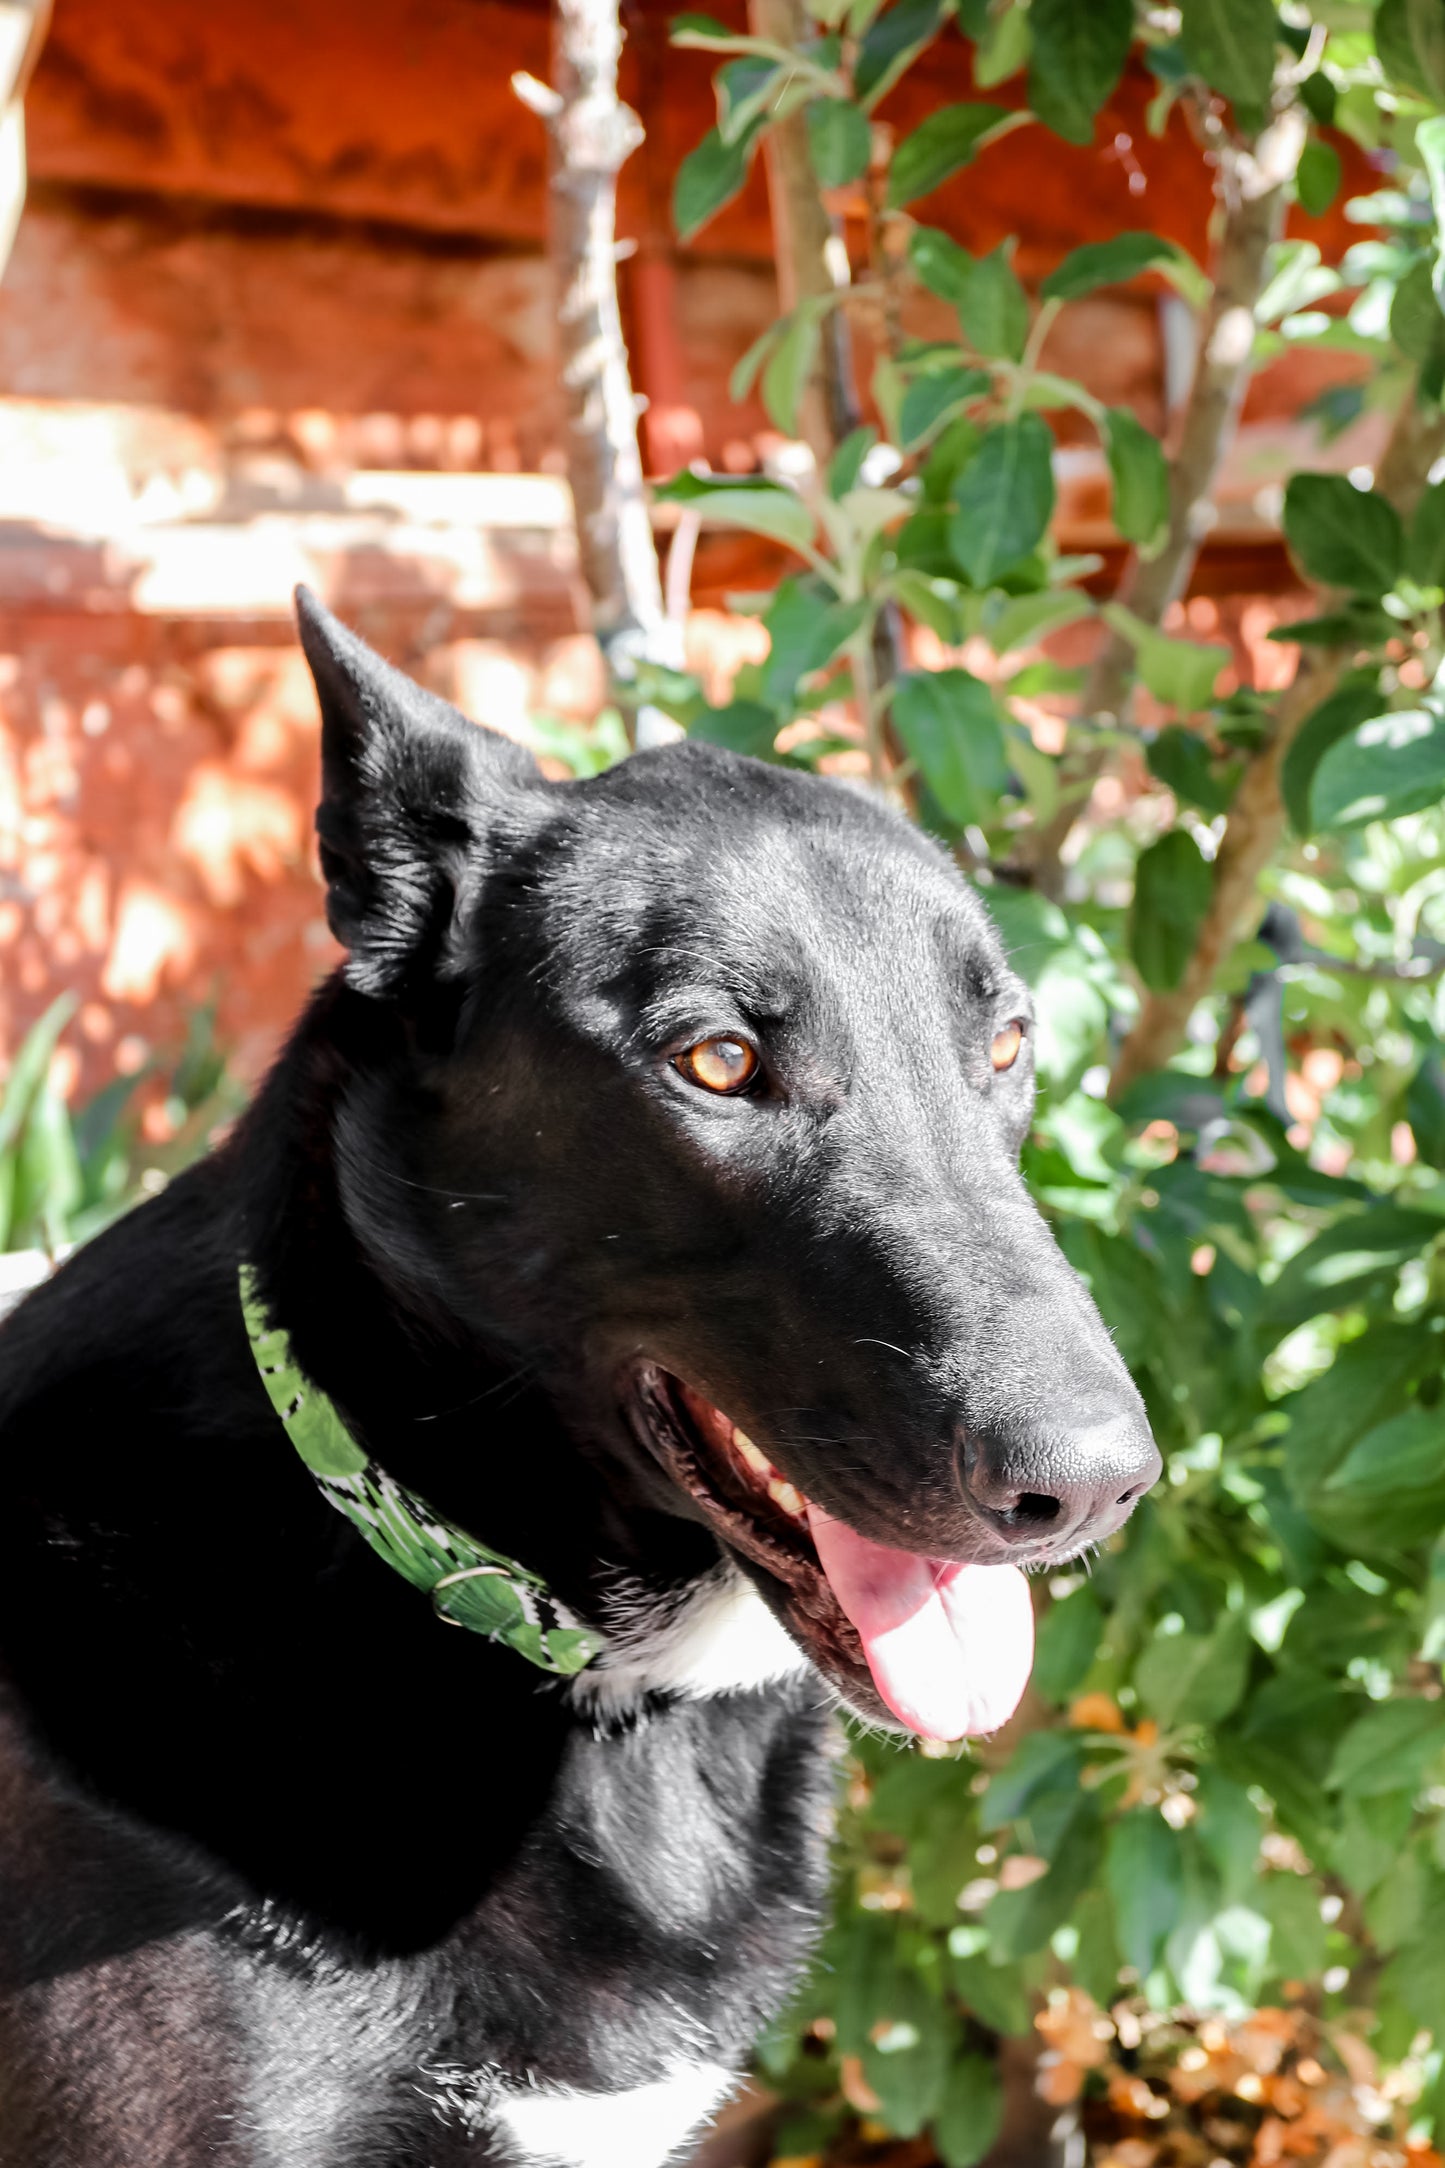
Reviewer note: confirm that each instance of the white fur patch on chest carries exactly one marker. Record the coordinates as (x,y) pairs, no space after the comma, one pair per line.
(640,2128)
(719,1637)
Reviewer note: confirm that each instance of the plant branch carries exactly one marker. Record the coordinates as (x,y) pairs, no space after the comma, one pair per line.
(808,252)
(1253,186)
(590,133)
(1257,817)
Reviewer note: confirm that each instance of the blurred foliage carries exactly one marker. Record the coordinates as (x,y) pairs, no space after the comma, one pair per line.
(66,1174)
(1225,1793)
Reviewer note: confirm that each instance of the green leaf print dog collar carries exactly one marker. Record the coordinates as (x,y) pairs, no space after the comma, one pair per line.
(469,1584)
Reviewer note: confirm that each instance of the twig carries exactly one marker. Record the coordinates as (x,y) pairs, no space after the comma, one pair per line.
(1256,819)
(808,252)
(590,132)
(1253,185)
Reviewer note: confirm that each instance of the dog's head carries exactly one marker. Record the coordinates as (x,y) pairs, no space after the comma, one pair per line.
(726,1077)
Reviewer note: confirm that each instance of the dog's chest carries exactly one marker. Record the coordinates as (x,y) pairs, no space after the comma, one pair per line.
(641,2127)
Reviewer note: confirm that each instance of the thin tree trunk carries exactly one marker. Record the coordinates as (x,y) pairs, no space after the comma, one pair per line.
(1256,822)
(1254,188)
(811,258)
(590,133)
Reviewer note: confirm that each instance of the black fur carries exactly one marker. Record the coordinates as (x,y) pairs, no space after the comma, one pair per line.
(289,1871)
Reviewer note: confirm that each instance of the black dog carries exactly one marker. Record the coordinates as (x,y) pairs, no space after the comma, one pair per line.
(695,1087)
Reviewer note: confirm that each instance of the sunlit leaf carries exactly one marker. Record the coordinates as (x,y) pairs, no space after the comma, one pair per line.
(1384,767)
(760,506)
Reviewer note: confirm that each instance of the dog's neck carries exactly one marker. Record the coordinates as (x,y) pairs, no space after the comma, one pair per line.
(464,1424)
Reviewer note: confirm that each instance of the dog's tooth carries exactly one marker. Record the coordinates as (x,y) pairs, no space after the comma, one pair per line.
(783,1494)
(751,1456)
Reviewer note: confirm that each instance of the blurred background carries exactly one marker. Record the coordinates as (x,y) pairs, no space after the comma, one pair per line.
(279,308)
(280,305)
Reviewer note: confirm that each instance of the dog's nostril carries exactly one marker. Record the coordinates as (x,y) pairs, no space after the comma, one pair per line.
(1126,1498)
(1035,1507)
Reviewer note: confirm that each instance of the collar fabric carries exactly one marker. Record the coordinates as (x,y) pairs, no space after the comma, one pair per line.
(469,1584)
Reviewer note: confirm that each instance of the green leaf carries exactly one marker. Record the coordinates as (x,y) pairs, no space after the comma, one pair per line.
(1410,42)
(1183,762)
(1343,536)
(970,2114)
(940,147)
(1023,620)
(846,463)
(1144,1873)
(1181,672)
(1003,499)
(949,725)
(1172,888)
(1002,48)
(1390,1747)
(934,602)
(1230,43)
(1067,1639)
(1140,476)
(934,399)
(1078,56)
(1416,323)
(1332,720)
(1105,263)
(807,626)
(1425,549)
(890,43)
(1318,176)
(30,1067)
(1189,1678)
(943,266)
(1230,1827)
(1042,1761)
(1388,766)
(1425,1109)
(709,177)
(907,2053)
(1021,1921)
(758,506)
(745,369)
(1430,144)
(994,1994)
(789,366)
(743,726)
(701,31)
(1291,1904)
(1405,1453)
(994,308)
(746,90)
(839,141)
(1360,1252)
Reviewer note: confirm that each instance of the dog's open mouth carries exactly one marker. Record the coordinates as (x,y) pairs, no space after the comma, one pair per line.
(946,1647)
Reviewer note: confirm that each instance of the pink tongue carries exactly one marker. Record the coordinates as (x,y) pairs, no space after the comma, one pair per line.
(950,1647)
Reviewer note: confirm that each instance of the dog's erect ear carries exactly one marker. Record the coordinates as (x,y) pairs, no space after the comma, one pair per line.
(409,791)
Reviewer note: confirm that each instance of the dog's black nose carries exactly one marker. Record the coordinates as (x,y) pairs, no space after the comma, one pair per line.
(1067,1490)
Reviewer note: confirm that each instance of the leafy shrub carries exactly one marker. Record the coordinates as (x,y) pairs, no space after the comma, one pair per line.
(1226,1789)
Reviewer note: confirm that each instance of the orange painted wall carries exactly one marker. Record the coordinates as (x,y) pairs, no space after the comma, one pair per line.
(273,251)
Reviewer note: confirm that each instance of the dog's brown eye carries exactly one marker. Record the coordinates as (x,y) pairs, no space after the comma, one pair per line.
(719,1065)
(1004,1051)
